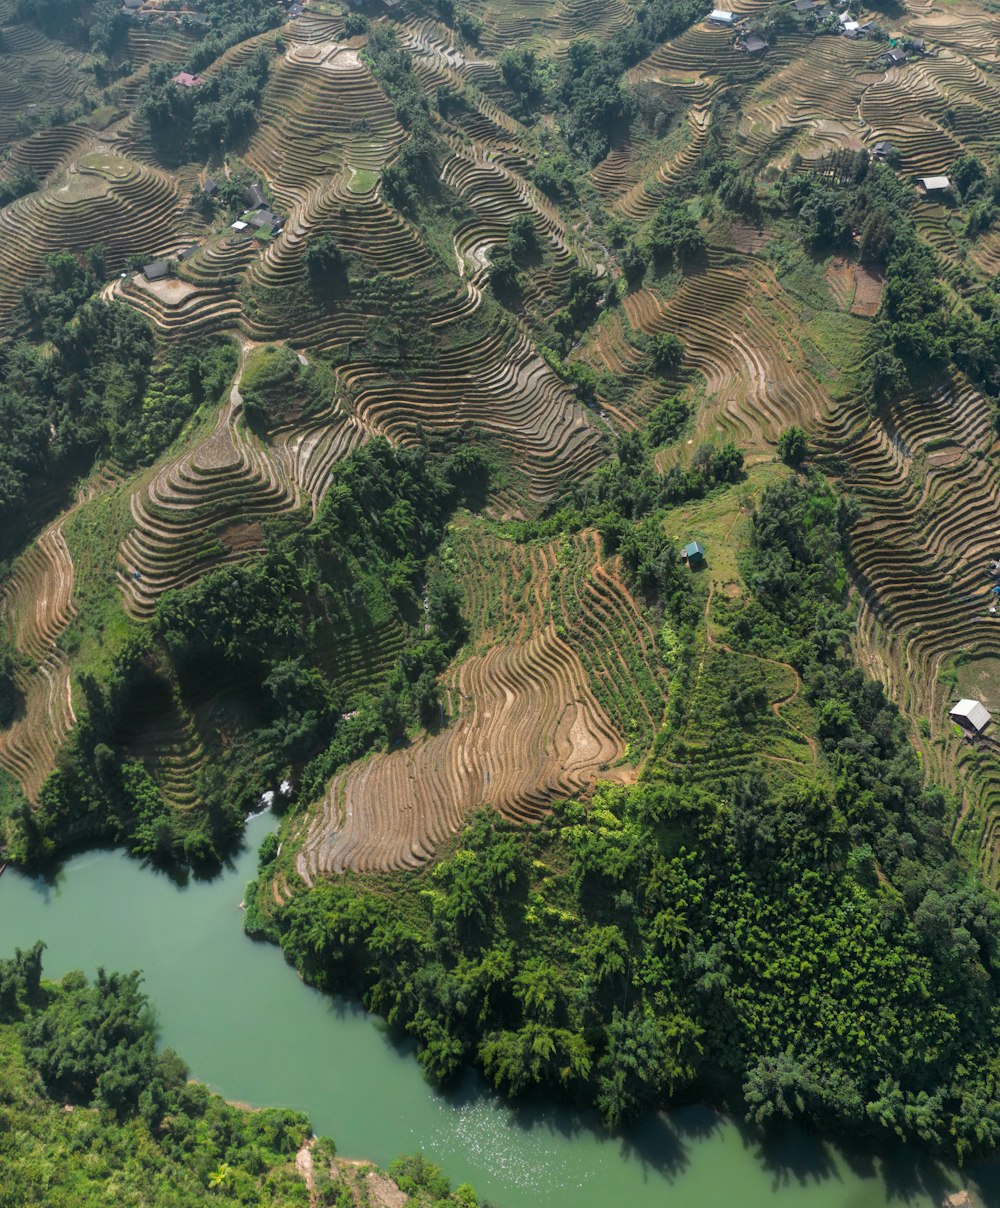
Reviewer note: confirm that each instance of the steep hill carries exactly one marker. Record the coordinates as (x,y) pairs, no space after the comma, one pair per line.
(364,376)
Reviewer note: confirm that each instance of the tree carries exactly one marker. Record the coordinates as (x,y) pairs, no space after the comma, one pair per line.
(793,444)
(504,278)
(522,239)
(326,266)
(675,233)
(9,695)
(667,420)
(634,262)
(668,352)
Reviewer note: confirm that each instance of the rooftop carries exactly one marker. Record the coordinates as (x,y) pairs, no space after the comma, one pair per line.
(934,184)
(971,713)
(186,80)
(722,15)
(255,196)
(156,270)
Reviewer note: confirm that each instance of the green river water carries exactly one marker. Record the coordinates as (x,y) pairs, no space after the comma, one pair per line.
(249,1028)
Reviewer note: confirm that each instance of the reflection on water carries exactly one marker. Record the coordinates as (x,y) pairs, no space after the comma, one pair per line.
(249,1028)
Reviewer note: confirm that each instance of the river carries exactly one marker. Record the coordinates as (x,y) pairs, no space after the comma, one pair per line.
(250,1029)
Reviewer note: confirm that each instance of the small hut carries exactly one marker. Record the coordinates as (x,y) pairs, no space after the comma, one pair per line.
(971,715)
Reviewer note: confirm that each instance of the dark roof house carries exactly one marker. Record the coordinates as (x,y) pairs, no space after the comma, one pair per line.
(693,553)
(266,222)
(256,197)
(895,56)
(883,148)
(211,187)
(754,44)
(156,270)
(189,251)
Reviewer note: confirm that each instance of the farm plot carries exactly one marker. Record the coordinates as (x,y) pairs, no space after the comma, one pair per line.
(322,110)
(37,75)
(736,324)
(104,198)
(809,106)
(530,731)
(920,552)
(36,608)
(561,664)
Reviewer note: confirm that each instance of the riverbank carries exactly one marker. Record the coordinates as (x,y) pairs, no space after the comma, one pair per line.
(254,1033)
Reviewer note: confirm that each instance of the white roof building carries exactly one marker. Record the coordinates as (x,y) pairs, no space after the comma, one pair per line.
(934,184)
(722,16)
(972,714)
(239,225)
(850,27)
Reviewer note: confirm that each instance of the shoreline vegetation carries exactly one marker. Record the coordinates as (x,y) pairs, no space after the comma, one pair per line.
(89,1107)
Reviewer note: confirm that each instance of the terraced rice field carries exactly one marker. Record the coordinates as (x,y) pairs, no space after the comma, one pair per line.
(207,506)
(35,609)
(561,664)
(103,197)
(530,731)
(737,328)
(920,550)
(37,75)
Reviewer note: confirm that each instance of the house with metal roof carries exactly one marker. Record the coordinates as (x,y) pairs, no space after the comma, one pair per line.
(693,553)
(156,270)
(934,184)
(971,715)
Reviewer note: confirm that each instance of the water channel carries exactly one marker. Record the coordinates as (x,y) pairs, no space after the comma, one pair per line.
(250,1029)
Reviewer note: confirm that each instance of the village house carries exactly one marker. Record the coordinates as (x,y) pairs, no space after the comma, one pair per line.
(255,197)
(971,715)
